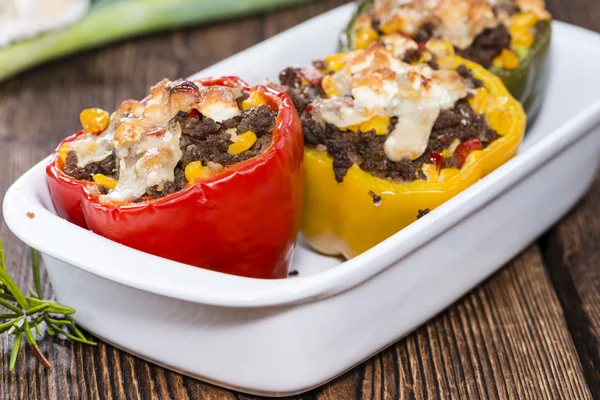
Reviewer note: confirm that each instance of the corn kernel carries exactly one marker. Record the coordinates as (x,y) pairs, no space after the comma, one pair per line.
(353,128)
(63,151)
(521,36)
(379,124)
(519,29)
(243,143)
(94,120)
(256,99)
(195,170)
(506,60)
(336,62)
(479,100)
(395,24)
(329,87)
(440,48)
(107,182)
(524,19)
(365,37)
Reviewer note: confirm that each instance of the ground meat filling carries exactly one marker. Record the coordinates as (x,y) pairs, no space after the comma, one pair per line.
(202,139)
(412,55)
(107,167)
(487,45)
(302,95)
(470,81)
(205,140)
(425,32)
(366,149)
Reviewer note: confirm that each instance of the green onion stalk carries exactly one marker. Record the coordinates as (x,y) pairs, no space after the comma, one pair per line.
(112,20)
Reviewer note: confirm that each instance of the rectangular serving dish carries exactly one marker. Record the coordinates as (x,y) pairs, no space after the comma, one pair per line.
(288,336)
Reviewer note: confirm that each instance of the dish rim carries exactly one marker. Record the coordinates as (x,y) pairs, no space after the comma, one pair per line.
(149,273)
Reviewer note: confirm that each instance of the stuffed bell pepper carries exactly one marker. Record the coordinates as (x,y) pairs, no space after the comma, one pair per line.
(207,173)
(386,141)
(509,37)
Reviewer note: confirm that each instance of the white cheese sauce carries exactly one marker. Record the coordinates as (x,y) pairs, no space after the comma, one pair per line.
(375,83)
(457,21)
(145,138)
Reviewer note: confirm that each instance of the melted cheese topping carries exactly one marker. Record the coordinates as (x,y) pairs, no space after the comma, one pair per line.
(457,21)
(398,44)
(462,20)
(147,158)
(91,148)
(375,83)
(538,7)
(218,103)
(144,138)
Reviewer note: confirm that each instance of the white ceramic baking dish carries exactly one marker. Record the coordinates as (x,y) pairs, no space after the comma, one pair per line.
(288,336)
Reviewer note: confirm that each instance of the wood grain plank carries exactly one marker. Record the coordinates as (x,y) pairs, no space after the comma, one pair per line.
(585,13)
(572,248)
(572,253)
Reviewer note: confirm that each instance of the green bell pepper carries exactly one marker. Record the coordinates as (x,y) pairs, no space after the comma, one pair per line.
(527,83)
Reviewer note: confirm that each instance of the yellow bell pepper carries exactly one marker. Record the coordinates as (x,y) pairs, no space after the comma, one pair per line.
(343,218)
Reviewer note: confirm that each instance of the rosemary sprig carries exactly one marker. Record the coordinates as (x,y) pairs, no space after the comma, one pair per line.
(28,312)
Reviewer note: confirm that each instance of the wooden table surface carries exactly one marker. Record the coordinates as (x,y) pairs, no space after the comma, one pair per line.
(531,331)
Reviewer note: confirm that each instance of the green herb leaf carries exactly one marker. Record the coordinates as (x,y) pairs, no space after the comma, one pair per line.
(2,259)
(35,267)
(36,325)
(73,337)
(13,288)
(34,346)
(6,326)
(28,312)
(10,307)
(38,308)
(15,351)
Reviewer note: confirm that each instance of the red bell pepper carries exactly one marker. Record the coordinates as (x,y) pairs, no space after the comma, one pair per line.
(465,148)
(243,220)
